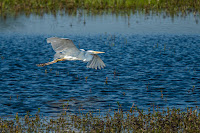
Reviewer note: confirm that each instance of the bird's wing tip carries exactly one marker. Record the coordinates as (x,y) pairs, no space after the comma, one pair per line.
(50,39)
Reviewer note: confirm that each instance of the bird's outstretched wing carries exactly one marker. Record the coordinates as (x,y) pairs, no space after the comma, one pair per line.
(62,44)
(96,62)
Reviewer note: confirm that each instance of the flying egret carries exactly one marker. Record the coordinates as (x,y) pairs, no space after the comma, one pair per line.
(66,50)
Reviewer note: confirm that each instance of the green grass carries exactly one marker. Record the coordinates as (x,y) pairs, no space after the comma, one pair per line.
(52,6)
(134,120)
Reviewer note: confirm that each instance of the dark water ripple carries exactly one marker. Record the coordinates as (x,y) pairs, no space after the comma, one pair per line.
(140,68)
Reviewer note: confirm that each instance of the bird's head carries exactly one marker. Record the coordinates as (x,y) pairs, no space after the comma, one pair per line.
(94,52)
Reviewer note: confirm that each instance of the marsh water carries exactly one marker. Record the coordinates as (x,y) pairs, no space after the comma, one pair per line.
(151,60)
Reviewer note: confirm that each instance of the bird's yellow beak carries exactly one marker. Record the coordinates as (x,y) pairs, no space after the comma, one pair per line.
(98,52)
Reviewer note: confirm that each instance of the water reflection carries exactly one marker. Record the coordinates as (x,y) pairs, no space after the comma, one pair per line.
(81,22)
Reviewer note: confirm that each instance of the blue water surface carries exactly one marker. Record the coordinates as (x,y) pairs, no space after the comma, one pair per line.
(147,70)
(150,61)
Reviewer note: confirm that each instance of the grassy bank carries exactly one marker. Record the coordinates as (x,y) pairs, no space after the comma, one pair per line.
(52,6)
(135,120)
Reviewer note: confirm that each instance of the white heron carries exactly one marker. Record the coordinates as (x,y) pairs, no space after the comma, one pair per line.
(66,50)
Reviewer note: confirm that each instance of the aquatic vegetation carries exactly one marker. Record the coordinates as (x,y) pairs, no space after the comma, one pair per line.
(135,120)
(106,81)
(86,79)
(39,7)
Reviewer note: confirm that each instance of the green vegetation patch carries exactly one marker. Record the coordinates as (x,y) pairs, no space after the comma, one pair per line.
(46,6)
(135,120)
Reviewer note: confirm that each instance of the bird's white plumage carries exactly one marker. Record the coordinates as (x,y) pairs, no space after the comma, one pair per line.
(66,49)
(70,58)
(82,49)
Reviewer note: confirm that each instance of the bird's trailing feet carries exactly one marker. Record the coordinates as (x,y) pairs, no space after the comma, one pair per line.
(49,63)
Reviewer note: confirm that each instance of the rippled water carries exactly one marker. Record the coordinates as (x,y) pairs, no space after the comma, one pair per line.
(144,69)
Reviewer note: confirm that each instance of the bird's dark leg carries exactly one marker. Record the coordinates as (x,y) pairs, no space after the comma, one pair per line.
(49,63)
